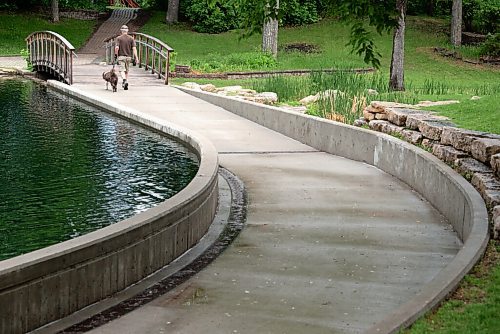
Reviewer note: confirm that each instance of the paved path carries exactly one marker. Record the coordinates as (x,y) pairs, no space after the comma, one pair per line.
(110,28)
(330,245)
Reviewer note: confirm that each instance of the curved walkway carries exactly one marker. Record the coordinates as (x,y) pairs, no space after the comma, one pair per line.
(330,246)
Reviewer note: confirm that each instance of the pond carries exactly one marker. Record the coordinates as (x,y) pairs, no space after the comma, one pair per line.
(67,169)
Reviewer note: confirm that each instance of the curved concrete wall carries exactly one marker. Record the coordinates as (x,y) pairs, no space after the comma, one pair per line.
(451,194)
(50,283)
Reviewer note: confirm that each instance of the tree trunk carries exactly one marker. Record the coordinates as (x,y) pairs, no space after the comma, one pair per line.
(55,10)
(172,11)
(456,23)
(270,33)
(396,81)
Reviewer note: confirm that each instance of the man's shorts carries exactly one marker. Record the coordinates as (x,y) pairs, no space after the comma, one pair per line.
(124,61)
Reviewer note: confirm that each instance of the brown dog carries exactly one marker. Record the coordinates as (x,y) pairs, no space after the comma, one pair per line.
(111,78)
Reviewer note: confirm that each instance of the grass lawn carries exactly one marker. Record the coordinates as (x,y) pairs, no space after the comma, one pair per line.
(427,75)
(14,28)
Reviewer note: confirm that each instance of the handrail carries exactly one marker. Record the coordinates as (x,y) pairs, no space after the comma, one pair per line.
(52,53)
(153,54)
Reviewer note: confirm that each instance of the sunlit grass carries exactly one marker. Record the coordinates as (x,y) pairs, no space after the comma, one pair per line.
(14,28)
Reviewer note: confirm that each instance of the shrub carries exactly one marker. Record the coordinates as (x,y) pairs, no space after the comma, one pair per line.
(299,12)
(491,46)
(481,15)
(222,16)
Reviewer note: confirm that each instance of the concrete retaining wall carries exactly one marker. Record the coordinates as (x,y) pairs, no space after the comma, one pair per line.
(51,283)
(451,194)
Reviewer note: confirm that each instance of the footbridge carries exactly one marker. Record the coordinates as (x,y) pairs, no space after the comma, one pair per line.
(51,53)
(346,230)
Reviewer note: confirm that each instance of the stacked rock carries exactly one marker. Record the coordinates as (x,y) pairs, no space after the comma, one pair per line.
(474,154)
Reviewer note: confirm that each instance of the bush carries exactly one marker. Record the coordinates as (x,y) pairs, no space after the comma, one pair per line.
(299,12)
(481,16)
(221,17)
(491,46)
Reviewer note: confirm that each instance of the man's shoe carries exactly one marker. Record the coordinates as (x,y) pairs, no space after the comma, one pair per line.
(125,86)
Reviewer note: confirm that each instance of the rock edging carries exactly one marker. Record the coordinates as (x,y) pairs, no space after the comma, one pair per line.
(474,154)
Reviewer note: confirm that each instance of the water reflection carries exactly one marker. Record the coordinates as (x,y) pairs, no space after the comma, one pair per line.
(67,169)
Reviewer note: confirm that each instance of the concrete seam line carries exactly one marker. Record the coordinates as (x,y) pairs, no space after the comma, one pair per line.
(474,245)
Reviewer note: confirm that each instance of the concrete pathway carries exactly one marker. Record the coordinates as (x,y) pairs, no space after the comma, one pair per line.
(110,28)
(330,245)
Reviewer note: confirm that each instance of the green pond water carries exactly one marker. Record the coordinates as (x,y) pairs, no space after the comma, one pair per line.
(67,169)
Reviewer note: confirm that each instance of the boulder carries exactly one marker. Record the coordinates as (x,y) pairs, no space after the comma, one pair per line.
(231,88)
(489,188)
(368,115)
(191,85)
(266,97)
(429,143)
(360,122)
(469,166)
(378,125)
(411,136)
(459,138)
(447,153)
(381,116)
(208,88)
(398,115)
(309,99)
(432,128)
(483,148)
(495,164)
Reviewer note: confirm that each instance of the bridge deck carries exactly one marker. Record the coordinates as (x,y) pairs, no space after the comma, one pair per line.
(330,245)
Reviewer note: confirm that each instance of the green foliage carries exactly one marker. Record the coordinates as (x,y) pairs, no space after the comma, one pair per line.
(68,4)
(481,15)
(381,15)
(216,62)
(214,19)
(491,46)
(26,56)
(299,12)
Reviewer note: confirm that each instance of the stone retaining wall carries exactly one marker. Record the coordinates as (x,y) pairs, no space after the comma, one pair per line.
(474,154)
(53,282)
(450,193)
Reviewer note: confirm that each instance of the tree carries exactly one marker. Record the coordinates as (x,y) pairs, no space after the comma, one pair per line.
(396,81)
(270,30)
(55,10)
(172,11)
(456,23)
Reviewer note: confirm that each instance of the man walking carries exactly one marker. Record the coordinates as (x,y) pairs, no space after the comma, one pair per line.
(125,49)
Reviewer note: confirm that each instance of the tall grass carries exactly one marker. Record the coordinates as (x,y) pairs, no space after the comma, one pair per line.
(354,91)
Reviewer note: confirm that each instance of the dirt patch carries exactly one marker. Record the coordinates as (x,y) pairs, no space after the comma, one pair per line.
(301,47)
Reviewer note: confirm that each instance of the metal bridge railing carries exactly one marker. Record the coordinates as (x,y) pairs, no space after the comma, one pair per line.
(50,52)
(153,54)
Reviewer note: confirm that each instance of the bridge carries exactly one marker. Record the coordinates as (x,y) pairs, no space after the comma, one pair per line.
(330,244)
(51,53)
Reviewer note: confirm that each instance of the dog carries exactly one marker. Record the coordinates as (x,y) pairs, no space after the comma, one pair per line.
(111,78)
